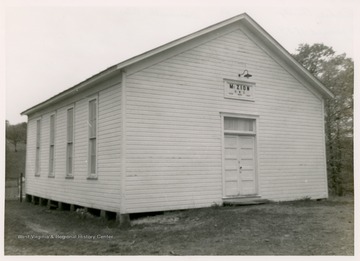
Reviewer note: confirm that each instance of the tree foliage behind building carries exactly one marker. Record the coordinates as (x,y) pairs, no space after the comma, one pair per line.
(15,149)
(336,72)
(16,134)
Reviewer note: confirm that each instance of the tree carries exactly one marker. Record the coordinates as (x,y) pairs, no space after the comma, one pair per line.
(336,72)
(16,133)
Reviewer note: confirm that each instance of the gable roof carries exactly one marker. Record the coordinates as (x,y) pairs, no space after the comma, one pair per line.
(244,19)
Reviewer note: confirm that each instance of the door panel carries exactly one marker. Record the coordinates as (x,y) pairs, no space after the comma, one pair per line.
(240,172)
(246,145)
(231,188)
(231,165)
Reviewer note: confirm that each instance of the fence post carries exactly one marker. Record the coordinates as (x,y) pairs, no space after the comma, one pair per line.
(21,181)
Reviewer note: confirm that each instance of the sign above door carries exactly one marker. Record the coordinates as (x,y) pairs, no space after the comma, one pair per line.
(240,90)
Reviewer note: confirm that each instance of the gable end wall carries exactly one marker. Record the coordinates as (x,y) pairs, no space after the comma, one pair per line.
(174,130)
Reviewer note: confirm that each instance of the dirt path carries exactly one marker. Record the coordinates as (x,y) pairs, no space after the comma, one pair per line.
(292,228)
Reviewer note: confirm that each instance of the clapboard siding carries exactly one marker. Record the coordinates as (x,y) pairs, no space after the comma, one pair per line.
(30,155)
(174,127)
(103,193)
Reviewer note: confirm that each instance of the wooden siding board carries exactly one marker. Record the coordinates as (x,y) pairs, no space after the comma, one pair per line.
(175,127)
(191,202)
(156,186)
(144,130)
(179,153)
(182,114)
(177,173)
(170,195)
(168,168)
(174,96)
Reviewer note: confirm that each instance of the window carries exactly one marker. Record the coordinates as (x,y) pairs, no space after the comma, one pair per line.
(92,137)
(242,125)
(70,142)
(52,145)
(37,156)
(239,90)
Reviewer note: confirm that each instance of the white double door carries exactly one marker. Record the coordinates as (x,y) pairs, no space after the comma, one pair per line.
(240,171)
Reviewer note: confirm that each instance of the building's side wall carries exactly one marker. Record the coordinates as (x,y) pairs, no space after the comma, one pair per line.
(103,193)
(174,135)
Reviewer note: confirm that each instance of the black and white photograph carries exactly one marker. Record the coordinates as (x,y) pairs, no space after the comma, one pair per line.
(179,129)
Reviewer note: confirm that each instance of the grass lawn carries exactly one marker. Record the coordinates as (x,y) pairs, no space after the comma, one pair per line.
(290,228)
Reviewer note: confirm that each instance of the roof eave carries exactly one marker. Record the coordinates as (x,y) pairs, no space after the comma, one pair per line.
(131,61)
(181,40)
(291,61)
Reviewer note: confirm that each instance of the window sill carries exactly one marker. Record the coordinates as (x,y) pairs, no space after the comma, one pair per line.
(37,175)
(240,132)
(51,176)
(92,178)
(69,177)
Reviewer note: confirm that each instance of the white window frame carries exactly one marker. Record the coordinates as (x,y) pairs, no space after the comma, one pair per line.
(95,174)
(236,131)
(68,174)
(254,133)
(52,145)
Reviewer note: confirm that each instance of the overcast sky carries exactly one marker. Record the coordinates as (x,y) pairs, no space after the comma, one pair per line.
(49,48)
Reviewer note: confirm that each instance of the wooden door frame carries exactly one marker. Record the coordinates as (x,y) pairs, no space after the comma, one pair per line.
(255,134)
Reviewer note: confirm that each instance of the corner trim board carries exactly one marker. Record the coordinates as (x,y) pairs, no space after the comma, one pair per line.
(123,143)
